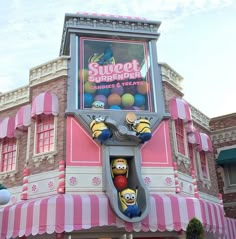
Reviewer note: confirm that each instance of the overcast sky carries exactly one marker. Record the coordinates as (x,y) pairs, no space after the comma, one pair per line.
(198,40)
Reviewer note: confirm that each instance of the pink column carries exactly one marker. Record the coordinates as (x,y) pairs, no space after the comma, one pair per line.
(24,194)
(195,189)
(61,184)
(177,187)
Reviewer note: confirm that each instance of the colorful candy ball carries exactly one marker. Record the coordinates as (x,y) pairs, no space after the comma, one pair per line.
(103,90)
(143,88)
(114,99)
(88,100)
(83,74)
(127,100)
(102,98)
(120,182)
(89,87)
(115,107)
(130,89)
(139,100)
(118,90)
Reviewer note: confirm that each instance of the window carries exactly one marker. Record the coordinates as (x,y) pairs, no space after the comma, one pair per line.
(230,178)
(115,72)
(8,154)
(232,174)
(203,166)
(179,128)
(191,156)
(44,133)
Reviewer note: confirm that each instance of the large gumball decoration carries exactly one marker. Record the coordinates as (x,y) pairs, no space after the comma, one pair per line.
(88,100)
(114,99)
(5,195)
(120,182)
(101,98)
(143,88)
(119,173)
(102,90)
(115,107)
(118,90)
(127,100)
(89,87)
(139,100)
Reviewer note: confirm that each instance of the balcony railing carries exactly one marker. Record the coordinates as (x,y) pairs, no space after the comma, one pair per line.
(49,70)
(171,76)
(14,98)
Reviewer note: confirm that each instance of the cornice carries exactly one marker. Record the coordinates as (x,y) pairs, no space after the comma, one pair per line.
(171,76)
(14,98)
(199,118)
(49,71)
(109,25)
(224,135)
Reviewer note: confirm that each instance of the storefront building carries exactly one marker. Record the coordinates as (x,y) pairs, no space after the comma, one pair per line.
(224,142)
(101,143)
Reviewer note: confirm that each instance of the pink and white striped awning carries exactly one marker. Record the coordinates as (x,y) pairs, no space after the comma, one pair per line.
(7,127)
(179,109)
(202,141)
(194,137)
(45,103)
(205,143)
(230,228)
(68,213)
(23,118)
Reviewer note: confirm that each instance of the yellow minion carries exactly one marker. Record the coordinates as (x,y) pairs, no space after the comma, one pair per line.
(128,203)
(99,129)
(119,166)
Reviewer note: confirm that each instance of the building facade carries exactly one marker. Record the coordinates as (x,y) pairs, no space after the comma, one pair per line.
(101,143)
(223,130)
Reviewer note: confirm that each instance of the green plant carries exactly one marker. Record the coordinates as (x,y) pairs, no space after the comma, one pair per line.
(195,229)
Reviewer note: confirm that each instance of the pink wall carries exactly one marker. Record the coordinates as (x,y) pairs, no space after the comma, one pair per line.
(157,151)
(83,150)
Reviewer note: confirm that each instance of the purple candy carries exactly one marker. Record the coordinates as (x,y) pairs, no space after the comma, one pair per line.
(102,98)
(118,90)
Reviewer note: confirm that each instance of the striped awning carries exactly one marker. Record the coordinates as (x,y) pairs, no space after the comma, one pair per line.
(230,228)
(67,213)
(179,109)
(45,103)
(7,127)
(194,137)
(205,143)
(202,141)
(23,118)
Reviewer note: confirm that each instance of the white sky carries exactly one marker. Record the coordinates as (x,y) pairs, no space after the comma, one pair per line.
(198,40)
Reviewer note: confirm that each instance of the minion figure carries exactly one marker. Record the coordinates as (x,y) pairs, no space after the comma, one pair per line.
(98,105)
(128,203)
(119,166)
(142,128)
(99,130)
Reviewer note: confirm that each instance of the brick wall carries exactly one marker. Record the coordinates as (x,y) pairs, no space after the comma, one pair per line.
(224,124)
(58,87)
(170,92)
